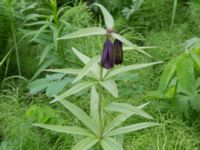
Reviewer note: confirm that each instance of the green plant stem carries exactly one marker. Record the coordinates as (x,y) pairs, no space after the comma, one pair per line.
(100,108)
(174,13)
(13,32)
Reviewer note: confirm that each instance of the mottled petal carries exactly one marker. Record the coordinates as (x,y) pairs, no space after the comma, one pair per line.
(107,60)
(118,52)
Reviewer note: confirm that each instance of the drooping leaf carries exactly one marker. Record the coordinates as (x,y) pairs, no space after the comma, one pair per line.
(127,108)
(56,87)
(108,143)
(38,85)
(185,75)
(108,19)
(88,67)
(125,69)
(167,75)
(76,88)
(65,129)
(111,87)
(86,143)
(84,32)
(131,128)
(121,118)
(128,43)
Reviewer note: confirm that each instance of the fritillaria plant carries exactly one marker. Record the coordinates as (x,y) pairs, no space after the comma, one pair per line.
(99,74)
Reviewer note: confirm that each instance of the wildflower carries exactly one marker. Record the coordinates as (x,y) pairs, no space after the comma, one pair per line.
(107,59)
(118,52)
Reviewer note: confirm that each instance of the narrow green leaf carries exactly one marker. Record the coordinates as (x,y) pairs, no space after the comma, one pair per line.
(121,118)
(128,43)
(76,88)
(185,75)
(88,67)
(108,19)
(81,115)
(108,143)
(65,129)
(84,32)
(45,53)
(131,128)
(5,57)
(111,87)
(86,143)
(167,75)
(127,108)
(125,69)
(64,71)
(85,59)
(94,104)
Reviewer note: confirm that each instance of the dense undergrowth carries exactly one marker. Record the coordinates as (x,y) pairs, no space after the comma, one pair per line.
(148,26)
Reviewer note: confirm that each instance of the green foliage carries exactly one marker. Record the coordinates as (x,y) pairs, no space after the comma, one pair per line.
(182,75)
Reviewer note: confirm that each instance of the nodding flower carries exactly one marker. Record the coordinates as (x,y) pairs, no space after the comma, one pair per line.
(107,59)
(118,52)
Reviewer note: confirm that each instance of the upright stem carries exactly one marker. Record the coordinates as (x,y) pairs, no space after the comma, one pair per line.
(99,106)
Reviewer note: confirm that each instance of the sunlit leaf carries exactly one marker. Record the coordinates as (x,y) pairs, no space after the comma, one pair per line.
(125,69)
(131,128)
(64,71)
(76,88)
(130,44)
(94,104)
(88,67)
(121,118)
(127,108)
(86,143)
(111,87)
(65,129)
(81,115)
(108,19)
(110,144)
(84,32)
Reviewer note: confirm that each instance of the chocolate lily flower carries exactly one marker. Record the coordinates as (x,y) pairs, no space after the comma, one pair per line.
(118,52)
(107,59)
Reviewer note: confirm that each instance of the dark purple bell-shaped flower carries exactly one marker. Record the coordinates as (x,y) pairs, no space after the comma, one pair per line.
(107,59)
(118,52)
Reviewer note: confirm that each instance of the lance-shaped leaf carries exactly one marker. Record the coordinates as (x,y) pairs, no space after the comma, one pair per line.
(128,43)
(131,128)
(45,52)
(86,143)
(126,48)
(108,19)
(85,59)
(111,87)
(88,67)
(110,144)
(167,75)
(76,88)
(65,129)
(127,108)
(84,32)
(94,104)
(121,118)
(125,69)
(65,71)
(81,115)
